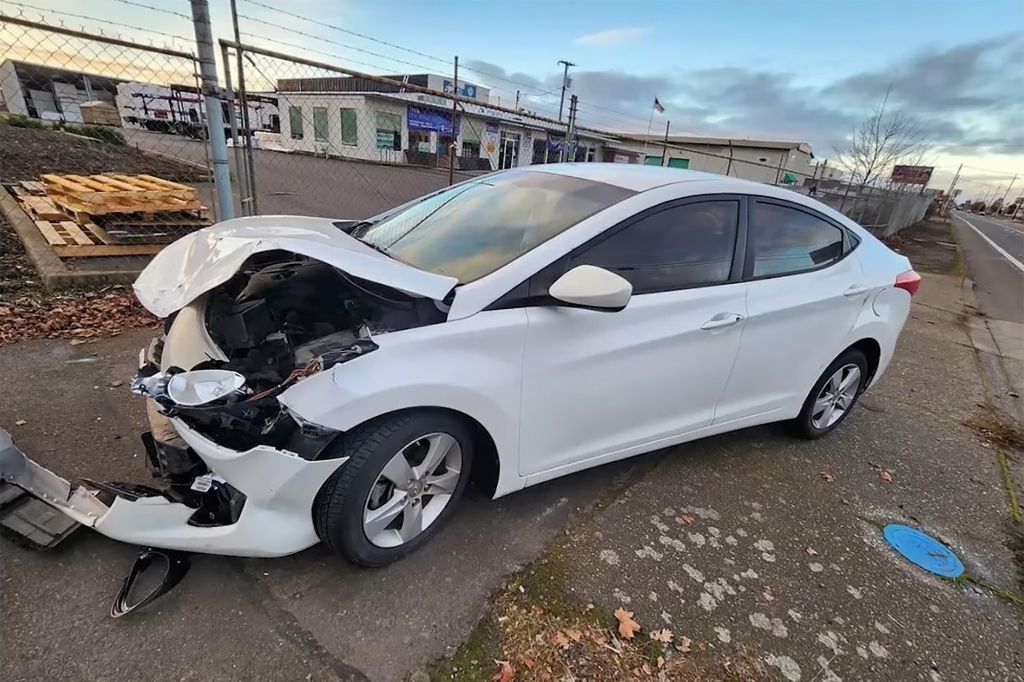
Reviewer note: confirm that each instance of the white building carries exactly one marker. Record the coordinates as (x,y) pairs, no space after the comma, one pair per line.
(52,94)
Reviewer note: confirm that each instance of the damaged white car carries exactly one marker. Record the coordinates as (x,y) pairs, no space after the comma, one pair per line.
(337,382)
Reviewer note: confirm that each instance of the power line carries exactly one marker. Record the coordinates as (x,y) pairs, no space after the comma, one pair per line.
(103,21)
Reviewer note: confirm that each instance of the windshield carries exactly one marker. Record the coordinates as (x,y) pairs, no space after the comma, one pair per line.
(473,229)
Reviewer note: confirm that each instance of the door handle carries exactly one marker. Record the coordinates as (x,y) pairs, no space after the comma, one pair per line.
(855,290)
(721,320)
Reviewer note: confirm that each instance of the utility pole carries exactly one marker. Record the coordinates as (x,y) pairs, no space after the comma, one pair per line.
(214,115)
(569,148)
(517,100)
(952,186)
(664,150)
(1007,191)
(455,104)
(565,83)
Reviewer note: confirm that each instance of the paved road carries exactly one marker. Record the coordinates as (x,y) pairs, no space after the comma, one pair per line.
(994,254)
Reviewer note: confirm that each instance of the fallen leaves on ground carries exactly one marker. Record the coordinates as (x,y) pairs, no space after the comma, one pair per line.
(506,673)
(826,476)
(78,317)
(627,626)
(684,644)
(885,475)
(685,518)
(663,635)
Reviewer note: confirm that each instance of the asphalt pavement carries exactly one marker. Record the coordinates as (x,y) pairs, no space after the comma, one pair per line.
(754,541)
(309,617)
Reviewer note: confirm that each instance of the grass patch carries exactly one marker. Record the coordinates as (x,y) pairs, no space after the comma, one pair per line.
(1011,490)
(96,132)
(995,591)
(22,121)
(997,431)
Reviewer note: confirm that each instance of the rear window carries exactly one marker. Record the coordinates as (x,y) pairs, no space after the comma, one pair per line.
(472,229)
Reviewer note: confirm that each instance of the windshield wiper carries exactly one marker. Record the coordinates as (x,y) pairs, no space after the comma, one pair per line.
(378,248)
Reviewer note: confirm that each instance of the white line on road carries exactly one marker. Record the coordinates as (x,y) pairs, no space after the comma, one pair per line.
(1013,261)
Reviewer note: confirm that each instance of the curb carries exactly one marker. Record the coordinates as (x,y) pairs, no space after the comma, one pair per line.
(53,272)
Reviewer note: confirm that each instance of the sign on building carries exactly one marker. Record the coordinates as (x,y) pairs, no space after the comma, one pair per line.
(465,89)
(429,119)
(912,175)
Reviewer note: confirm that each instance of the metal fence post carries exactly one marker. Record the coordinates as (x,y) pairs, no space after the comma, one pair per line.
(455,104)
(214,114)
(240,166)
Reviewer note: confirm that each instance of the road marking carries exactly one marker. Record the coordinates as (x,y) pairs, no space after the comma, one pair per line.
(1013,261)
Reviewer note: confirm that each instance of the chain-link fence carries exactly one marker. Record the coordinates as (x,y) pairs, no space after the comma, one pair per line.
(330,141)
(102,142)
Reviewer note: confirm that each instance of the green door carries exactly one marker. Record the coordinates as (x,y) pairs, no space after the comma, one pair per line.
(653,161)
(679,163)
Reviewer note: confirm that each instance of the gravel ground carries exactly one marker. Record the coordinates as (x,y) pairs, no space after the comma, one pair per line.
(27,153)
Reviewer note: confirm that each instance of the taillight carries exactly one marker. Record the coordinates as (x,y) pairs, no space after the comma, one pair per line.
(909,281)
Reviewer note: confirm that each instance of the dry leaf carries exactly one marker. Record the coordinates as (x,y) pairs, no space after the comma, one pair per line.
(812,551)
(528,663)
(20,422)
(574,635)
(885,474)
(560,640)
(506,673)
(662,635)
(661,661)
(685,518)
(646,668)
(627,626)
(684,644)
(827,476)
(944,540)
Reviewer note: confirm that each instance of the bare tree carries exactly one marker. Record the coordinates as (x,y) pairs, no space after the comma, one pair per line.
(880,141)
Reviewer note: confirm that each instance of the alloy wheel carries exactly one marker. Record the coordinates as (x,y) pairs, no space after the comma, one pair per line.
(412,490)
(836,397)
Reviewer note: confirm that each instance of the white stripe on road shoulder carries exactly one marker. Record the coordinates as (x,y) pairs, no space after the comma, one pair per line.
(1013,261)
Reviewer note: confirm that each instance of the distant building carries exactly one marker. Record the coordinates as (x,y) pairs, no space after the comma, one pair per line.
(52,94)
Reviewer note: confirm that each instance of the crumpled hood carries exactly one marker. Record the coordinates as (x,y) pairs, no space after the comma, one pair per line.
(207,258)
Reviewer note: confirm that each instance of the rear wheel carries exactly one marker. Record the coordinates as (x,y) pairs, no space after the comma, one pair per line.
(402,481)
(833,395)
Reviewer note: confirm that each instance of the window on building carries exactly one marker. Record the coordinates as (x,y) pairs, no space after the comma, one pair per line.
(787,241)
(676,248)
(348,127)
(653,160)
(295,122)
(678,163)
(320,123)
(591,154)
(471,148)
(389,130)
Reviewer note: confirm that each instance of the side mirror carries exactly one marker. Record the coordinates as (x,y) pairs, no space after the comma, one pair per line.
(591,287)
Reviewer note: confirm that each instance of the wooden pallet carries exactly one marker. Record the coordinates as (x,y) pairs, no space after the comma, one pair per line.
(85,196)
(69,240)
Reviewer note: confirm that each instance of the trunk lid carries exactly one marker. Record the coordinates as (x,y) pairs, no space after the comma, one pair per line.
(207,258)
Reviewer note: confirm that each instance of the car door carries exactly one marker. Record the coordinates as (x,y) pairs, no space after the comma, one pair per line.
(600,385)
(804,293)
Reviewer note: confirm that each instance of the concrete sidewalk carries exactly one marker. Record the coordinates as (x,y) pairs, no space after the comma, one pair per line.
(759,541)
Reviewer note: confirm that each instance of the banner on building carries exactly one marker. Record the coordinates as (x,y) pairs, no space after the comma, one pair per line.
(912,175)
(465,89)
(429,119)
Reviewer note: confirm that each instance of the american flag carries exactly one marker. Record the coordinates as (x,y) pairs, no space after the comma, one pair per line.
(657,106)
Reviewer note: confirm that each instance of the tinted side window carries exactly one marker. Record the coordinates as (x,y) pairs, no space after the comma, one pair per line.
(786,241)
(675,248)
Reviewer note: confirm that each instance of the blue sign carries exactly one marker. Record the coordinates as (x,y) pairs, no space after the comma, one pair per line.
(465,89)
(428,119)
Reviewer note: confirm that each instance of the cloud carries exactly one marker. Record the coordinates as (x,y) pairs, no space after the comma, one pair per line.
(613,36)
(966,97)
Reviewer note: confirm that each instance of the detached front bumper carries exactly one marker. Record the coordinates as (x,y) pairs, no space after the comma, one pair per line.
(275,519)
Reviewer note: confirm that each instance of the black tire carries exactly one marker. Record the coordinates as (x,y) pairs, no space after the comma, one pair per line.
(803,426)
(338,506)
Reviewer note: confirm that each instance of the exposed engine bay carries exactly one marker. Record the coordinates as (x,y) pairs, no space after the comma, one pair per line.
(280,319)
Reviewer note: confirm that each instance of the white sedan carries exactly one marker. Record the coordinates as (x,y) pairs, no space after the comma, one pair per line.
(336,382)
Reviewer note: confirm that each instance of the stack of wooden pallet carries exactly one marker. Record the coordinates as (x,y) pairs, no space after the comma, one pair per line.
(110,215)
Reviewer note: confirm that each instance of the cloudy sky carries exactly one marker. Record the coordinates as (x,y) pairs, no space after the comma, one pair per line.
(794,69)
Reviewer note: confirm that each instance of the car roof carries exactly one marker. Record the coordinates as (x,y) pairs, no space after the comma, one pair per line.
(631,176)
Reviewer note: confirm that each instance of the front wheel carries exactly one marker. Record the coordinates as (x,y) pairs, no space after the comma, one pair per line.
(833,395)
(403,478)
